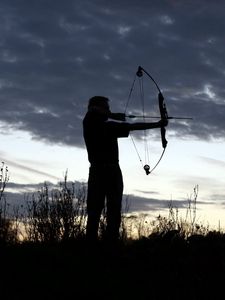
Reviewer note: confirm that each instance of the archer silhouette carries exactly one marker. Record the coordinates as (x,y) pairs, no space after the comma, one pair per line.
(105,180)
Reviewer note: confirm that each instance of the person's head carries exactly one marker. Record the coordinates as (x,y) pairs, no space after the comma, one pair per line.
(99,104)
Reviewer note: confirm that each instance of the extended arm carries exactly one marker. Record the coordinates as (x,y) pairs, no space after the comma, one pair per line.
(139,125)
(144,126)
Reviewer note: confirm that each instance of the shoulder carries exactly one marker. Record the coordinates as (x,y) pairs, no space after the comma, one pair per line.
(91,117)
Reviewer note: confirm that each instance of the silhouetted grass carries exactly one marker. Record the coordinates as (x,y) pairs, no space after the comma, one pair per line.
(171,258)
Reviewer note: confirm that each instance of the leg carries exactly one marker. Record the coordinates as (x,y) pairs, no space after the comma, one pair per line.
(114,202)
(95,202)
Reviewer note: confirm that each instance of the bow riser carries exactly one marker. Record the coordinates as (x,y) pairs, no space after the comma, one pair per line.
(164,116)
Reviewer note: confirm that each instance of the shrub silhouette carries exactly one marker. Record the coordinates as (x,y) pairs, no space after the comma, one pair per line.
(57,215)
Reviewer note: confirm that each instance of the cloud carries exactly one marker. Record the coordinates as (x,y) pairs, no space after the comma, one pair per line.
(54,56)
(18,195)
(213,161)
(147,204)
(24,167)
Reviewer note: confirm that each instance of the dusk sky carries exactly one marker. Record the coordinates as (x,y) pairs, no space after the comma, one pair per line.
(55,55)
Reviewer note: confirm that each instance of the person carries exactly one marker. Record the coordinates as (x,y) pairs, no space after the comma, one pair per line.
(105,181)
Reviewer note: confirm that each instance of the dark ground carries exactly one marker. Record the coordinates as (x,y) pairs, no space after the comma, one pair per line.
(165,268)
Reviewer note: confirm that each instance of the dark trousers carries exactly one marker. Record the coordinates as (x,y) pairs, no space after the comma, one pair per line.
(105,185)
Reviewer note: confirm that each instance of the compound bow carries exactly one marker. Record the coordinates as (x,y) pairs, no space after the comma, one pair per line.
(163,116)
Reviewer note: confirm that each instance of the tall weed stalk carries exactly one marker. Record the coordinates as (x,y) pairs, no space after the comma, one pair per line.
(8,231)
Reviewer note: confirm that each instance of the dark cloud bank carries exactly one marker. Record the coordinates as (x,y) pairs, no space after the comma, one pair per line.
(55,55)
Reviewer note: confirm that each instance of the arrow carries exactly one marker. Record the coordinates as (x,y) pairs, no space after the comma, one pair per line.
(151,117)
